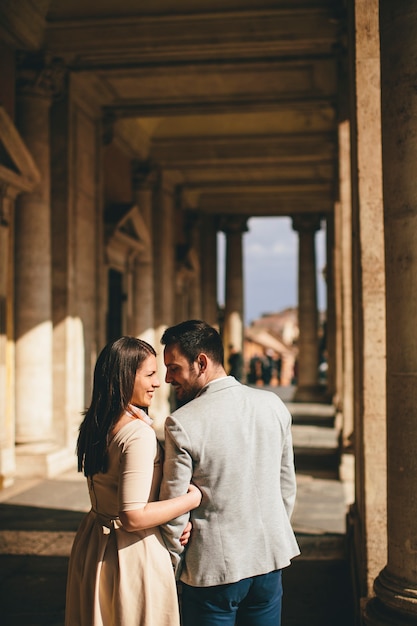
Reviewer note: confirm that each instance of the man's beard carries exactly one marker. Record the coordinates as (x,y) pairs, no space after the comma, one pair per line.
(186,397)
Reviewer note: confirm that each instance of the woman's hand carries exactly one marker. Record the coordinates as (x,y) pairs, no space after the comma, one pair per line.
(196,499)
(197,495)
(186,534)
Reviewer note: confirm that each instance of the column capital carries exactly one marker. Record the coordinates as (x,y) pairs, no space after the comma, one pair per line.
(5,213)
(191,219)
(233,224)
(306,222)
(40,75)
(107,126)
(10,190)
(144,175)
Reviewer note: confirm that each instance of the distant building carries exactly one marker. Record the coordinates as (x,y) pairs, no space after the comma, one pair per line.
(270,340)
(283,325)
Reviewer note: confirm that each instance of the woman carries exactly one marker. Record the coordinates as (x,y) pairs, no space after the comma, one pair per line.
(120,571)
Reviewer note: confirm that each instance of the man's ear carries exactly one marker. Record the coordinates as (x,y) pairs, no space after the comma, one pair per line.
(202,362)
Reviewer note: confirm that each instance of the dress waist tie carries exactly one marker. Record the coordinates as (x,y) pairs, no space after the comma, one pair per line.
(108,523)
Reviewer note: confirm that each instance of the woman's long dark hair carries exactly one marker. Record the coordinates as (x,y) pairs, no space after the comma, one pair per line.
(114,379)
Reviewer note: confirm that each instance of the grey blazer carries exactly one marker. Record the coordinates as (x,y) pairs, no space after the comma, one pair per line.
(234,442)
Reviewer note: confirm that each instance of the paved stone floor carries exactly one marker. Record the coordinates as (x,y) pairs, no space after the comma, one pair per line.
(38,520)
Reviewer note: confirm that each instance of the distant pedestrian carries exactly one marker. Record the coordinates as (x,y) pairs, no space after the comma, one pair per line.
(278,367)
(235,363)
(255,370)
(267,367)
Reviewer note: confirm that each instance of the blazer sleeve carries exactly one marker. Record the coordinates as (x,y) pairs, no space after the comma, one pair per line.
(288,479)
(177,474)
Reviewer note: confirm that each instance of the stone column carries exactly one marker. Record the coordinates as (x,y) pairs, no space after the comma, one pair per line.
(344,235)
(194,237)
(164,287)
(364,284)
(308,389)
(209,270)
(78,280)
(144,180)
(33,316)
(7,424)
(233,326)
(396,585)
(330,329)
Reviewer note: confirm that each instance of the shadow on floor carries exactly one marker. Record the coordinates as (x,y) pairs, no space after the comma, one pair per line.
(32,590)
(317,593)
(34,548)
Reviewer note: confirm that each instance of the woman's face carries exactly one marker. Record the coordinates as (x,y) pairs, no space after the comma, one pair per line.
(146,381)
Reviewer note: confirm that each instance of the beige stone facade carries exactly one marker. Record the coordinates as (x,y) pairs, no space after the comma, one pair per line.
(130,135)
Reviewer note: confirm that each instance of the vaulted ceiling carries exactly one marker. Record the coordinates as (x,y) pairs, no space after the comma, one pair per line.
(238,99)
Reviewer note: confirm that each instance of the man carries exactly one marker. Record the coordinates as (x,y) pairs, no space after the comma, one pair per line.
(235,363)
(234,442)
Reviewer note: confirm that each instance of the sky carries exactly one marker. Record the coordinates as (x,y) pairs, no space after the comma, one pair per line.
(270,261)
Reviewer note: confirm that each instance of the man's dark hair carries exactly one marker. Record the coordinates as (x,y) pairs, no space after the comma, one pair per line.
(193,337)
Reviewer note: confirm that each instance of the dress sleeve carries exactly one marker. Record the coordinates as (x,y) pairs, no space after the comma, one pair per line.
(137,468)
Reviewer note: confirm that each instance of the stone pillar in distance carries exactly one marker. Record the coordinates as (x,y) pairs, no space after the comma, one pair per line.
(144,180)
(308,389)
(164,287)
(233,326)
(209,269)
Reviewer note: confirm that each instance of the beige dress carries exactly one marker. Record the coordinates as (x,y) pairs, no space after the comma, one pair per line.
(119,578)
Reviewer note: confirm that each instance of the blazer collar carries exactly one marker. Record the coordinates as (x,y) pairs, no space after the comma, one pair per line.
(218,384)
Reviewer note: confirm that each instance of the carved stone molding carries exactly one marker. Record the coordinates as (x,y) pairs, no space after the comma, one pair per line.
(22,24)
(267,148)
(127,236)
(306,223)
(18,171)
(263,202)
(144,174)
(105,41)
(107,125)
(5,205)
(41,75)
(234,224)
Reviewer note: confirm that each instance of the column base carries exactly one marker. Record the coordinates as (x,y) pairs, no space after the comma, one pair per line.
(7,467)
(312,393)
(43,460)
(377,614)
(395,603)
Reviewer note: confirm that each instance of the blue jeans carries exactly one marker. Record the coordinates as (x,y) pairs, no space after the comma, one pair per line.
(249,602)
